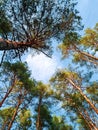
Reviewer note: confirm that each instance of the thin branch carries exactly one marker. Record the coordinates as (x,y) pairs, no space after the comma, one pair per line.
(3,57)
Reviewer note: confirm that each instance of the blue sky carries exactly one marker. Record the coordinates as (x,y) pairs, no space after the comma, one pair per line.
(89,12)
(43,67)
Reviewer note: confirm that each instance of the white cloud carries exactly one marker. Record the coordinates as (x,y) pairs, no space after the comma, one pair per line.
(42,67)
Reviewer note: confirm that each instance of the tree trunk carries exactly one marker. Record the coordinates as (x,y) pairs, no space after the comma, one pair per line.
(38,122)
(9,45)
(88,121)
(6,45)
(7,94)
(85,97)
(88,124)
(14,115)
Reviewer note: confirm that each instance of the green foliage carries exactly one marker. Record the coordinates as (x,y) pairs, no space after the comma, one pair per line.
(5,116)
(61,90)
(92,90)
(36,22)
(25,119)
(71,39)
(81,48)
(25,90)
(20,70)
(45,116)
(43,96)
(5,24)
(58,123)
(17,79)
(71,98)
(90,38)
(63,74)
(6,113)
(44,90)
(77,57)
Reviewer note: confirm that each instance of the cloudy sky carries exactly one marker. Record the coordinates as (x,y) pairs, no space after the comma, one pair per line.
(43,67)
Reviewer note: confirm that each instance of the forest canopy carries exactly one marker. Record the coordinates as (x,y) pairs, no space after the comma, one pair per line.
(69,101)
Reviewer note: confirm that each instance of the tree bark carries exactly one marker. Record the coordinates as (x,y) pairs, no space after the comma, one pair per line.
(7,94)
(88,124)
(9,45)
(89,55)
(88,121)
(15,114)
(85,53)
(38,122)
(85,97)
(6,45)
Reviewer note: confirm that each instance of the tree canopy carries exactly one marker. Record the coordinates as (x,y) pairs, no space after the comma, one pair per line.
(69,101)
(31,24)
